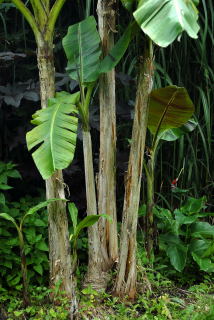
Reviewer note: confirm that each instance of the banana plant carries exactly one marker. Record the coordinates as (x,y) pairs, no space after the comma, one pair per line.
(19,228)
(162,21)
(82,46)
(41,16)
(170,110)
(87,222)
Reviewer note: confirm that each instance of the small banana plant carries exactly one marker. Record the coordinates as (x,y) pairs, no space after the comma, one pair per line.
(19,228)
(78,227)
(170,112)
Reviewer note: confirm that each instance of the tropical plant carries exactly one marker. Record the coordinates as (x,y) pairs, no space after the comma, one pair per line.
(19,228)
(42,19)
(106,198)
(151,25)
(7,170)
(184,236)
(82,48)
(86,222)
(170,109)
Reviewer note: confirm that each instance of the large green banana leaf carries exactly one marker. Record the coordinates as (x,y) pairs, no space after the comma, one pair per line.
(164,20)
(54,136)
(82,46)
(170,107)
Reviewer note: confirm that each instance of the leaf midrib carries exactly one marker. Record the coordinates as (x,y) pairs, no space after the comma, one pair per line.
(52,125)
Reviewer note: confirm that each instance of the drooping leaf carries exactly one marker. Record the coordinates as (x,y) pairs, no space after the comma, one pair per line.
(169,107)
(177,254)
(6,216)
(205,264)
(82,48)
(176,133)
(164,20)
(55,134)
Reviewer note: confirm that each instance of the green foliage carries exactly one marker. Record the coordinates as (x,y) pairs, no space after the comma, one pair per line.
(7,170)
(82,47)
(86,222)
(184,236)
(41,307)
(55,134)
(176,133)
(164,21)
(35,246)
(170,107)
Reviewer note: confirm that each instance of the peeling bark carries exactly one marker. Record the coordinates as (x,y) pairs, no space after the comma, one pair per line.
(107,167)
(126,277)
(94,277)
(59,246)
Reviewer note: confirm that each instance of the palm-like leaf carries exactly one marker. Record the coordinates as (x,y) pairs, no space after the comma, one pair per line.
(164,20)
(55,134)
(170,107)
(82,48)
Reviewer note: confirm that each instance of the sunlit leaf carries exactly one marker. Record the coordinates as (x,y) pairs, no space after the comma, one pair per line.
(164,20)
(55,134)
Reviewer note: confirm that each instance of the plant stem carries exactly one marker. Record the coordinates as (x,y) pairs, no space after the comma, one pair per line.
(126,277)
(107,156)
(26,298)
(150,204)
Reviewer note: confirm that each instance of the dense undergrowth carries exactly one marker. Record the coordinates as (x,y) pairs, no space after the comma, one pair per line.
(160,299)
(163,292)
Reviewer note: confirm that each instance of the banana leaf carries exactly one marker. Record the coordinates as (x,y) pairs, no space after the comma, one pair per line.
(170,107)
(54,136)
(164,20)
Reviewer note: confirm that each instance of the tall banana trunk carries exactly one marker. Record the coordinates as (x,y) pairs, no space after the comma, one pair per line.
(107,167)
(94,277)
(42,23)
(59,246)
(126,277)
